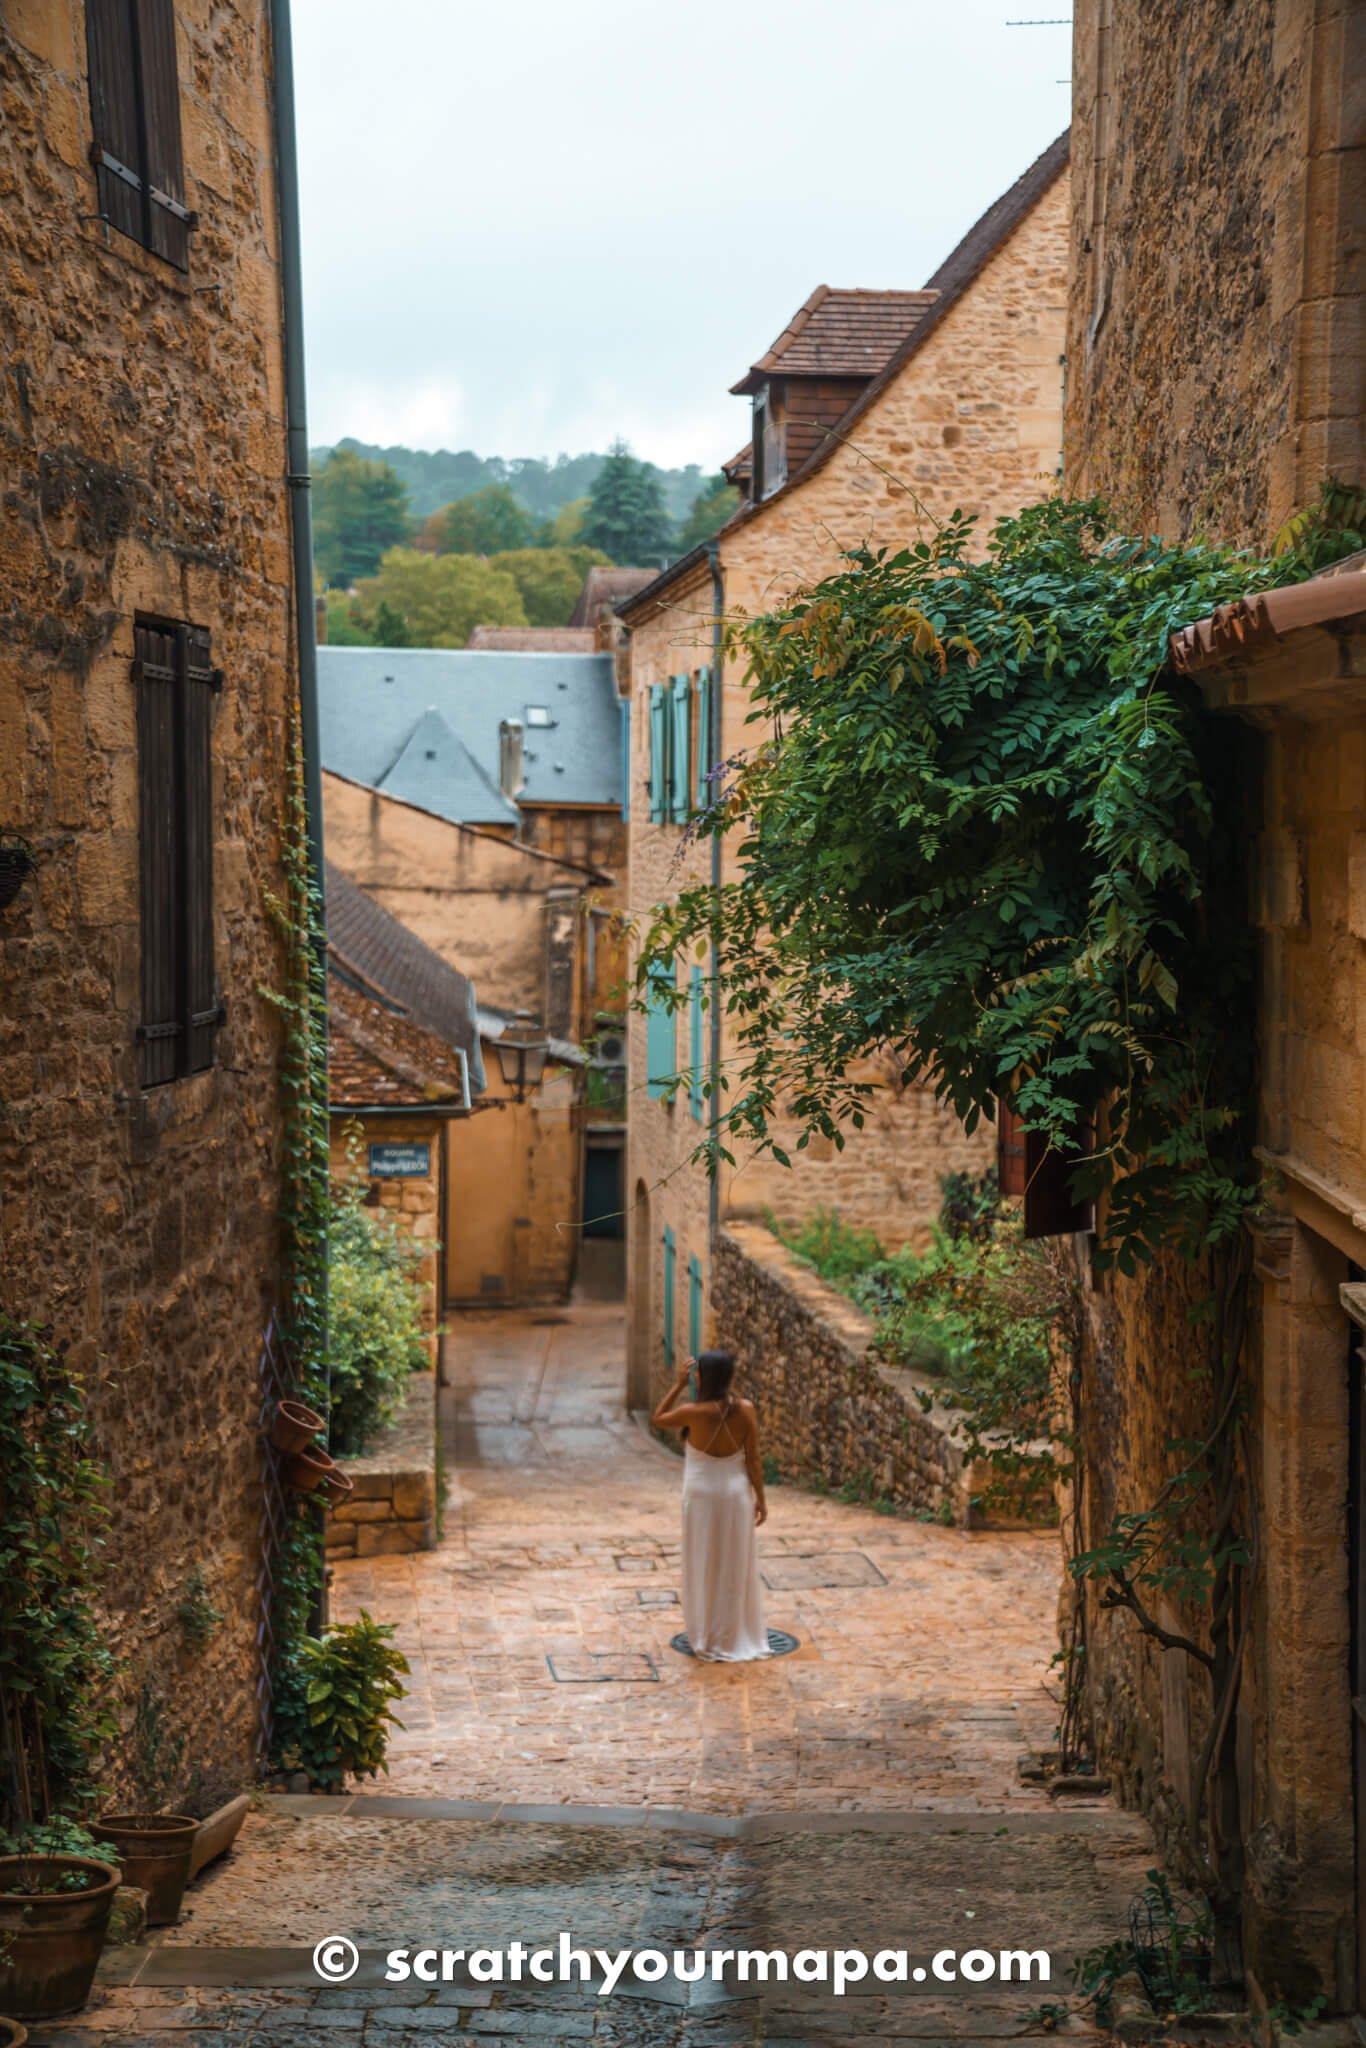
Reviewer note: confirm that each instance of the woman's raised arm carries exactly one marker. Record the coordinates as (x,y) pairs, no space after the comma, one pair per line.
(674,1412)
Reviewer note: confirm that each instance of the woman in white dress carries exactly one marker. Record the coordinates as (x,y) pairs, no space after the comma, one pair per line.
(723,1506)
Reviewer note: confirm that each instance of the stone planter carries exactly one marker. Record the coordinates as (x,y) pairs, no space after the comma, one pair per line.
(51,1941)
(218,1832)
(155,1851)
(390,1505)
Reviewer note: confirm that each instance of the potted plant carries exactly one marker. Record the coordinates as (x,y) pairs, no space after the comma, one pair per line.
(17,862)
(57,1889)
(153,1845)
(220,1806)
(293,1427)
(12,2034)
(307,1470)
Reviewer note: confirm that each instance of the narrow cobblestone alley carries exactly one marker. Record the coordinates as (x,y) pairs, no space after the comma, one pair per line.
(562,1768)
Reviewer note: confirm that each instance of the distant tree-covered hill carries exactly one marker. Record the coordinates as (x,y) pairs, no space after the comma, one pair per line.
(543,487)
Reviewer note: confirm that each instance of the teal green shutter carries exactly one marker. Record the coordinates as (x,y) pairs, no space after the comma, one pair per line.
(679,751)
(659,753)
(624,708)
(670,1256)
(703,792)
(661,1053)
(696,1076)
(694,1307)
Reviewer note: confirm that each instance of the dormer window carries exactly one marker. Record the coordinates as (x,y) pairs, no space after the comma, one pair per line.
(538,714)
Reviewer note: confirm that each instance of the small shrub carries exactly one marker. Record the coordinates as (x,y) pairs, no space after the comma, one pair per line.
(970,1205)
(333,1704)
(375,1331)
(838,1251)
(199,1619)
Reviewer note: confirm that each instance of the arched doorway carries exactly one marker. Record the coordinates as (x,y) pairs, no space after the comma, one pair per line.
(639,1319)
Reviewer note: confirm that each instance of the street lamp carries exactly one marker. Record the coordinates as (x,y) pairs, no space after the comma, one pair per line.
(522,1051)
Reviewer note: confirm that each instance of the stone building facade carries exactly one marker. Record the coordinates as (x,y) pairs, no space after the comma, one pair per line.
(1215,379)
(966,412)
(147,672)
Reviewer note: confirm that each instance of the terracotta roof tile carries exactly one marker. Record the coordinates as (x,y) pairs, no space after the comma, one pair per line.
(1268,615)
(396,963)
(840,333)
(533,639)
(607,586)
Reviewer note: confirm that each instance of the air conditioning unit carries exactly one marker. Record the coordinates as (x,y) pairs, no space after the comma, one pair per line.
(609,1049)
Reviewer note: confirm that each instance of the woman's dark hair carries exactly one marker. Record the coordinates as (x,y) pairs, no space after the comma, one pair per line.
(715,1371)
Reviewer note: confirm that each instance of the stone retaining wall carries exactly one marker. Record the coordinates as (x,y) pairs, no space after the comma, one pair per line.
(830,1413)
(393,1507)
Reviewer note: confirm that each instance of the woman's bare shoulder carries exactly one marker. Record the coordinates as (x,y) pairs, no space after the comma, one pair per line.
(747,1409)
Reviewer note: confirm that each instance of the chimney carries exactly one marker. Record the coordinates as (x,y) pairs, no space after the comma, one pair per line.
(511,774)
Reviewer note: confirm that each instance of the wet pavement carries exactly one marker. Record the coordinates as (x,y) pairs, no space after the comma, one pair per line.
(564,1772)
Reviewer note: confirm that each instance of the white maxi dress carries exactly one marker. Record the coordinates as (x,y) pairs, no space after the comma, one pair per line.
(723,1602)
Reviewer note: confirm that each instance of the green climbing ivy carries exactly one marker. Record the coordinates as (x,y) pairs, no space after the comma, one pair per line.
(54,1666)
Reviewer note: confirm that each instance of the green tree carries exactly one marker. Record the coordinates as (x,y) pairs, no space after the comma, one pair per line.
(626,516)
(488,522)
(359,509)
(440,598)
(549,579)
(565,530)
(711,508)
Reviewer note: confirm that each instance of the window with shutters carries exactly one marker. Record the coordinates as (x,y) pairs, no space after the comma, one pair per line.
(1031,1170)
(135,117)
(661,1056)
(181,1009)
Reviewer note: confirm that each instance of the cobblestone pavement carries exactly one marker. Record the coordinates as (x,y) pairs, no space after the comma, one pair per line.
(563,1770)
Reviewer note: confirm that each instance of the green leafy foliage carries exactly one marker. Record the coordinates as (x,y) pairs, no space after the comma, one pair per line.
(487,522)
(438,598)
(54,1666)
(549,579)
(360,509)
(1333,526)
(334,1701)
(35,1841)
(710,510)
(840,1252)
(626,517)
(375,1325)
(984,828)
(433,477)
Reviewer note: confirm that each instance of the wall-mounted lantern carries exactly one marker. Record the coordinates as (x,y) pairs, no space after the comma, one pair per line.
(522,1052)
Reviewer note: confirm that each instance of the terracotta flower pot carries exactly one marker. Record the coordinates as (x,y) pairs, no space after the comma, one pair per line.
(155,1851)
(12,2035)
(307,1469)
(293,1427)
(340,1486)
(50,1941)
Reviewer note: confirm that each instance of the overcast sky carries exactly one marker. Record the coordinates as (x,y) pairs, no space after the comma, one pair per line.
(530,227)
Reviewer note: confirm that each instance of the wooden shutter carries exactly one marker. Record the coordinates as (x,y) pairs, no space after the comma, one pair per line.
(1029,1167)
(680,749)
(168,218)
(696,1071)
(115,112)
(702,789)
(159,852)
(199,986)
(135,118)
(670,1259)
(659,753)
(661,1058)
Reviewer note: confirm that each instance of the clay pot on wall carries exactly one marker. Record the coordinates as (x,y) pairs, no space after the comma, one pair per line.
(12,2035)
(50,1941)
(293,1427)
(340,1486)
(155,1851)
(307,1470)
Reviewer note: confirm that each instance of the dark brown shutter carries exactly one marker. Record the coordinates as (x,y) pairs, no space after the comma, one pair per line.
(168,218)
(1010,1151)
(111,44)
(199,998)
(158,852)
(1028,1168)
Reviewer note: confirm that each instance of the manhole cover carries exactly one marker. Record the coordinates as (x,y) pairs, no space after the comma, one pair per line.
(586,1667)
(820,1568)
(780,1643)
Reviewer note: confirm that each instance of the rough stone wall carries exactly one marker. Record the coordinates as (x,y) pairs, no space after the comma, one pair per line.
(392,1509)
(414,1204)
(1217,324)
(143,464)
(829,1413)
(973,420)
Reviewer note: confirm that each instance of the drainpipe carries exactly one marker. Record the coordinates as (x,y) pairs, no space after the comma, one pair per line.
(718,606)
(300,511)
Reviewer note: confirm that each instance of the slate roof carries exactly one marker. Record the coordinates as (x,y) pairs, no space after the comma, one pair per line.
(373,699)
(384,958)
(840,333)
